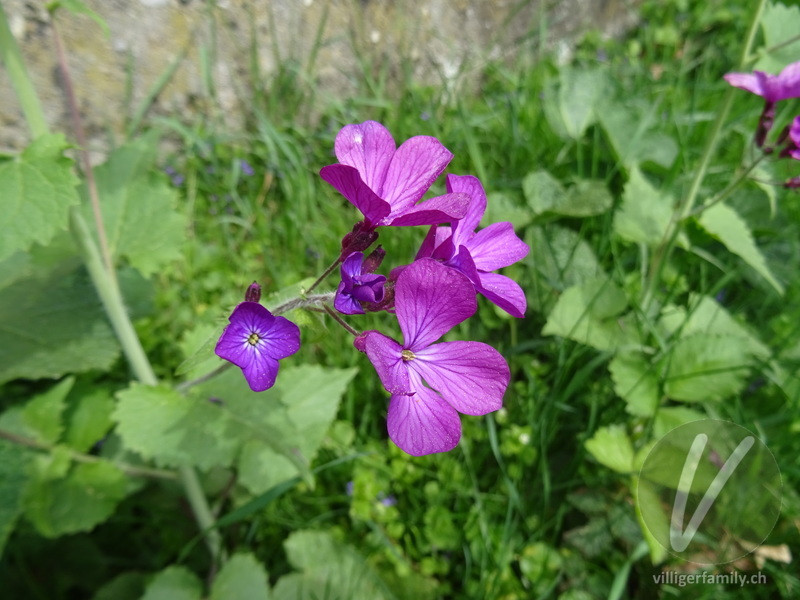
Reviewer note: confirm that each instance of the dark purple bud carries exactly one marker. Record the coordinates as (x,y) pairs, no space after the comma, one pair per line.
(765,123)
(358,240)
(374,260)
(253,293)
(792,183)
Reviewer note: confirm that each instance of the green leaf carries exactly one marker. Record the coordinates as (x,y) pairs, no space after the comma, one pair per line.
(36,192)
(588,314)
(13,476)
(51,325)
(330,569)
(174,430)
(290,419)
(43,413)
(671,417)
(709,317)
(645,213)
(138,208)
(704,368)
(174,583)
(580,92)
(636,382)
(725,224)
(128,586)
(198,347)
(629,127)
(86,497)
(646,494)
(546,196)
(502,206)
(780,23)
(242,578)
(611,447)
(89,416)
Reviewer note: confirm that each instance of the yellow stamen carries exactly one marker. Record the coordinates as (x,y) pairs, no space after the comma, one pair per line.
(407,355)
(253,339)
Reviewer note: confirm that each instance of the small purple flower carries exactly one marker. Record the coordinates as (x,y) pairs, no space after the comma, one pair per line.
(773,88)
(348,488)
(246,168)
(385,182)
(461,377)
(477,254)
(387,500)
(358,285)
(255,340)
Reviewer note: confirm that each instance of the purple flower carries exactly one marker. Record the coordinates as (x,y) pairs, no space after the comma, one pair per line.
(255,340)
(385,183)
(477,254)
(358,285)
(773,88)
(459,377)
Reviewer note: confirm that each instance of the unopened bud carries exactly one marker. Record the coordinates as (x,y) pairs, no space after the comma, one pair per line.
(373,261)
(765,123)
(358,240)
(253,293)
(792,183)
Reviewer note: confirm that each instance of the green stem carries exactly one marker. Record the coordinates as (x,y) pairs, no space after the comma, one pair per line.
(339,319)
(663,252)
(18,75)
(104,282)
(131,470)
(114,306)
(728,189)
(327,272)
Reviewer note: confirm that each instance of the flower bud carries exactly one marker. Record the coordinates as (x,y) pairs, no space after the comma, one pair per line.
(358,240)
(374,260)
(253,293)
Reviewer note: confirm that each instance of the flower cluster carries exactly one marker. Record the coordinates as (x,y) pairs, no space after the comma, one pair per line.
(774,88)
(429,381)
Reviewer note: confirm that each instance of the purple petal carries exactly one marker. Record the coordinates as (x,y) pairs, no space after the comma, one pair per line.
(351,266)
(261,373)
(463,229)
(415,166)
(385,355)
(787,84)
(497,246)
(441,209)
(423,423)
(794,132)
(368,147)
(345,303)
(748,81)
(429,243)
(431,299)
(471,376)
(348,183)
(463,263)
(283,339)
(370,288)
(504,292)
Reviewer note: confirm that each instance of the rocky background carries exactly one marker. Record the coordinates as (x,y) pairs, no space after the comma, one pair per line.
(212,50)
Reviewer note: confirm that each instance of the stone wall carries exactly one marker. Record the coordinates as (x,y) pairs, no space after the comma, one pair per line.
(435,40)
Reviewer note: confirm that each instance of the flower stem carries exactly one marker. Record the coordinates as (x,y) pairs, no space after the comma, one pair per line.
(339,319)
(728,189)
(83,149)
(320,279)
(663,252)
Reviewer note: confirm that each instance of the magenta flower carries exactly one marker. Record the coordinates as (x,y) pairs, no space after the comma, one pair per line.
(773,88)
(358,285)
(478,254)
(461,377)
(385,183)
(255,340)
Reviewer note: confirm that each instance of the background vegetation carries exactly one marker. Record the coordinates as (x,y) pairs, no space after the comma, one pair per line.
(590,159)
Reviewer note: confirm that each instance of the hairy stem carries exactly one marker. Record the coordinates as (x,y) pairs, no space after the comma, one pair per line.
(322,277)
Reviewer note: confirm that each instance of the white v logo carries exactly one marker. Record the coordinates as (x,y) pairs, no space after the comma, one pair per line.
(678,538)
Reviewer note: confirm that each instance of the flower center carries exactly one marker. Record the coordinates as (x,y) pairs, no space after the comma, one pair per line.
(253,339)
(407,355)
